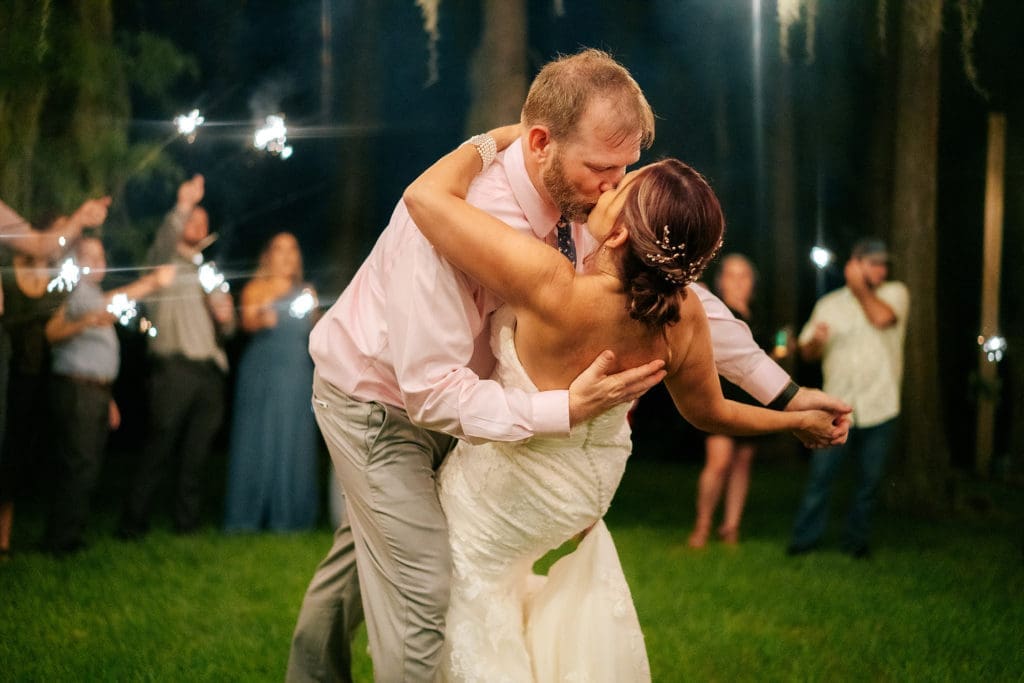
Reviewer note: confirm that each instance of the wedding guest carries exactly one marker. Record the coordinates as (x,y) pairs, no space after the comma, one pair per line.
(857,332)
(728,458)
(28,305)
(18,235)
(272,470)
(189,364)
(85,363)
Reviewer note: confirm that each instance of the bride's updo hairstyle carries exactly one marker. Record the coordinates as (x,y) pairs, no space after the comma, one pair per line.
(675,226)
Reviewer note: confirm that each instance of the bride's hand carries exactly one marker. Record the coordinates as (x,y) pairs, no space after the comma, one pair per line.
(505,135)
(819,428)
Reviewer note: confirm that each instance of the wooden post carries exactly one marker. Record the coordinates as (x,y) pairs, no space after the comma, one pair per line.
(991,271)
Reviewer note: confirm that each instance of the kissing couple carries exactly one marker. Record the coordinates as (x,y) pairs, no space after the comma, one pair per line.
(472,383)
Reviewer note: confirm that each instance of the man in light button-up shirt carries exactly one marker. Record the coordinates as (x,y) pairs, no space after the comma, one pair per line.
(858,334)
(399,361)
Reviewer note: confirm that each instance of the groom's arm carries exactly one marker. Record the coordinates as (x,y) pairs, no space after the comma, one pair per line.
(437,330)
(738,358)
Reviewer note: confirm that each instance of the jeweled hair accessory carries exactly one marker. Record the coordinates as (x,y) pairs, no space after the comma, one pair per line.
(675,254)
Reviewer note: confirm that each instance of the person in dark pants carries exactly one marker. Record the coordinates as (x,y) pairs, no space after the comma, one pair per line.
(85,362)
(25,459)
(857,332)
(189,364)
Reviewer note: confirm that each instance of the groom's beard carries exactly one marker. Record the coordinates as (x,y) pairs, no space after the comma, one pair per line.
(570,204)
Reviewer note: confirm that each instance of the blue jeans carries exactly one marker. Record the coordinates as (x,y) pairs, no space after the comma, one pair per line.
(870,446)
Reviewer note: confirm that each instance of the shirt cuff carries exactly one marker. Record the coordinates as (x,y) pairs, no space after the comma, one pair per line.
(766,382)
(782,400)
(551,413)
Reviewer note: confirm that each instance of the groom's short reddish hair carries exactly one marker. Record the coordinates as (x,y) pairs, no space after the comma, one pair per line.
(563,89)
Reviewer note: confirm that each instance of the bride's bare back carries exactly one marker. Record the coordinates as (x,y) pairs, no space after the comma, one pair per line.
(556,346)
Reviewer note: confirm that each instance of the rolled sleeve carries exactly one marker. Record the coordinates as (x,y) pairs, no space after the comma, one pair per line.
(738,358)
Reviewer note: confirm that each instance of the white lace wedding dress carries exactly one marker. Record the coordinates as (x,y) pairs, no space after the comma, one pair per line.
(509,504)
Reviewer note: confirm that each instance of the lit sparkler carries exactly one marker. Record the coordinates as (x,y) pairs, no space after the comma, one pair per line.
(821,257)
(122,308)
(273,137)
(212,279)
(147,327)
(994,347)
(187,124)
(67,276)
(302,304)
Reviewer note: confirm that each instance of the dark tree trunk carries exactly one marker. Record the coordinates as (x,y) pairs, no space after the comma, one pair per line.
(782,247)
(498,69)
(351,209)
(921,465)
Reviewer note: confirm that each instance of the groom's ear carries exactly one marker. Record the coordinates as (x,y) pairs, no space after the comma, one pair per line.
(538,142)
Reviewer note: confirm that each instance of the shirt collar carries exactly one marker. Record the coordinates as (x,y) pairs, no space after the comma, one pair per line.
(540,214)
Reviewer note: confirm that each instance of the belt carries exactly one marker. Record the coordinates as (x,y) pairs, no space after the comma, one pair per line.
(87,381)
(182,359)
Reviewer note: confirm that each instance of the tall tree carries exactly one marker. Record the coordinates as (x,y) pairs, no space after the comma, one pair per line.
(350,213)
(922,464)
(498,69)
(65,109)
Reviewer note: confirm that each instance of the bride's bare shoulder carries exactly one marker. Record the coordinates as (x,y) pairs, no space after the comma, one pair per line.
(680,335)
(691,310)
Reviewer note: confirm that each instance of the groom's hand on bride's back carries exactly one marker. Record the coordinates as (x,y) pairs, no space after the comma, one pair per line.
(599,388)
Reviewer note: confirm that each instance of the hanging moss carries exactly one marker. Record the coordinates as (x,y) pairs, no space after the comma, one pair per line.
(789,14)
(431,10)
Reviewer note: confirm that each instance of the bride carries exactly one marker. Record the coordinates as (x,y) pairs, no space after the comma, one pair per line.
(508,504)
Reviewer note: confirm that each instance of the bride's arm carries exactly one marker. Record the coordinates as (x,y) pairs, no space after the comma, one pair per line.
(503,260)
(697,392)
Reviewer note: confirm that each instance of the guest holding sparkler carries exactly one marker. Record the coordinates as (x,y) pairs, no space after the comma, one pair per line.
(272,472)
(85,362)
(188,369)
(18,234)
(29,303)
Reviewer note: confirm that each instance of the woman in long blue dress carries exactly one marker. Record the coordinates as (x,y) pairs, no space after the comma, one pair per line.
(273,470)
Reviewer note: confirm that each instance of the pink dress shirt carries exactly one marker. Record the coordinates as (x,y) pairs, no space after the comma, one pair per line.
(412,332)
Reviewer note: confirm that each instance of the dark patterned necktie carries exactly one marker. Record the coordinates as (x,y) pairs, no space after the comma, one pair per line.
(565,243)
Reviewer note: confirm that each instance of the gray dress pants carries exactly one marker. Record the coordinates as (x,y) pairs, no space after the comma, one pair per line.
(391,548)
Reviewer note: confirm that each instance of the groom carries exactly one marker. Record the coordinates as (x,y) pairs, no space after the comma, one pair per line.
(399,359)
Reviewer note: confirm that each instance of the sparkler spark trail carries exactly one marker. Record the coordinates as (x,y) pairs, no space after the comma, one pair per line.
(67,277)
(302,304)
(821,257)
(187,124)
(994,347)
(147,327)
(212,279)
(273,137)
(122,308)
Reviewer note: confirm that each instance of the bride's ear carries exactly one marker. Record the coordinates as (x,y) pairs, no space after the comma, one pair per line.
(617,236)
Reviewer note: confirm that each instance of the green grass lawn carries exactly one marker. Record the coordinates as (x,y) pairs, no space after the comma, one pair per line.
(940,599)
